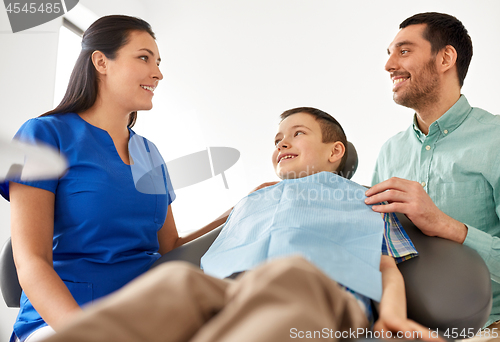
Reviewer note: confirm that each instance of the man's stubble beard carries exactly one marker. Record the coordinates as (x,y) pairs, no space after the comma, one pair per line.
(423,93)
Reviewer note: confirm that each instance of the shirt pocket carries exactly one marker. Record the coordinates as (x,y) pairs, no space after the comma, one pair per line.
(82,292)
(469,202)
(477,187)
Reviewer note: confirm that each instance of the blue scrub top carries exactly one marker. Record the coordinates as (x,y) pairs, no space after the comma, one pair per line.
(105,228)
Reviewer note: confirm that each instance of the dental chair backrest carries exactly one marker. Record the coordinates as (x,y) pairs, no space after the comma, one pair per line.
(11,290)
(447,285)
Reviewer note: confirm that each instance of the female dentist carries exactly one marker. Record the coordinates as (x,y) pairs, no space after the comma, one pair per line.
(102,224)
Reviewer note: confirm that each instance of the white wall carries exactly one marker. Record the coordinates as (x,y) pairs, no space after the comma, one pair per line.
(231,67)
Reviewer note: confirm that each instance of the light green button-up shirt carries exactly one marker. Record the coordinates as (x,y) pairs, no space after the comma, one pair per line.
(458,164)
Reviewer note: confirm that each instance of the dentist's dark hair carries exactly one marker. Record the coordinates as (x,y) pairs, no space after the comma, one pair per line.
(107,35)
(441,30)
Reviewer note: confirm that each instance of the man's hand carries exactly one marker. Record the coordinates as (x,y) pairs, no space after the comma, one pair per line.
(409,197)
(263,185)
(403,328)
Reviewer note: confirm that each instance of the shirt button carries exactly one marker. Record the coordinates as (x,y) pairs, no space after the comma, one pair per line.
(427,147)
(445,131)
(423,184)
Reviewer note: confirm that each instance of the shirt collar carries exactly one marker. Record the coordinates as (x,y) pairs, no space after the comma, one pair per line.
(449,121)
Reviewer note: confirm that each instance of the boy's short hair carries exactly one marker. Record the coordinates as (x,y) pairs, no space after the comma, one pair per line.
(331,130)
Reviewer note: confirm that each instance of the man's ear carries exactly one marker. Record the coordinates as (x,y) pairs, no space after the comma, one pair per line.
(100,62)
(448,58)
(337,152)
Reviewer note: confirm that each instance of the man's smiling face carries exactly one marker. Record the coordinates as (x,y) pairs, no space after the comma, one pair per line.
(412,68)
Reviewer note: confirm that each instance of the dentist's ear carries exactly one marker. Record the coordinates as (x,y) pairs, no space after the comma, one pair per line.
(337,152)
(100,62)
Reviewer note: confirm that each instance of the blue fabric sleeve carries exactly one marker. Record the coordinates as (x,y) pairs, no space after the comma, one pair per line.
(34,132)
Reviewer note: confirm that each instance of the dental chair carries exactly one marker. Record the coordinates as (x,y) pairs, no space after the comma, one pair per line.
(447,286)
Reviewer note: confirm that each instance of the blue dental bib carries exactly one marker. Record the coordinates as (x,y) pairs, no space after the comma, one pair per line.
(321,217)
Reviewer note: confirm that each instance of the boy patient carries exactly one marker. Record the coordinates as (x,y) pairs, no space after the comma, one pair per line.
(302,258)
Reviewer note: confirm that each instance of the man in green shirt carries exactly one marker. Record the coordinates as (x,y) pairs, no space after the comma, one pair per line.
(443,172)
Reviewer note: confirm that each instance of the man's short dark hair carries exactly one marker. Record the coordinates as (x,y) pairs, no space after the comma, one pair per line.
(444,29)
(331,130)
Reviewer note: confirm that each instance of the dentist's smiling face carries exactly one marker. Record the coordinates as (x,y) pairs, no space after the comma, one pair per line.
(300,150)
(133,75)
(412,68)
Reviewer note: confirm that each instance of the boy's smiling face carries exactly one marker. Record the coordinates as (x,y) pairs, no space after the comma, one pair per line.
(300,150)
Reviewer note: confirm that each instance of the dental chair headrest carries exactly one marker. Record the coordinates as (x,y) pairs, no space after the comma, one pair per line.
(351,163)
